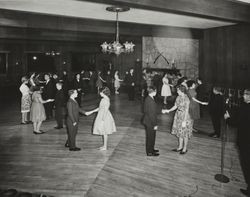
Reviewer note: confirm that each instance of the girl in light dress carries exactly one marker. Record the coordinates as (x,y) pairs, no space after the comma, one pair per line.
(165,90)
(26,100)
(104,123)
(117,82)
(37,112)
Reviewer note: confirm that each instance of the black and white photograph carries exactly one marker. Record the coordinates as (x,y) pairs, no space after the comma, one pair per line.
(124,98)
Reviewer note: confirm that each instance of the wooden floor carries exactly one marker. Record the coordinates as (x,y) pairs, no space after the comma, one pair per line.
(41,163)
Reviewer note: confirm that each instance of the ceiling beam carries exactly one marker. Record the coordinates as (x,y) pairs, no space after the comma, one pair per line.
(224,10)
(10,18)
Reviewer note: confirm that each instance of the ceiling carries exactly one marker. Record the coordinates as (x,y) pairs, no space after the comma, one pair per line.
(97,11)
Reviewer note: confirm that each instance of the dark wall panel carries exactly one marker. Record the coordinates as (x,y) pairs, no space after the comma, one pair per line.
(226,56)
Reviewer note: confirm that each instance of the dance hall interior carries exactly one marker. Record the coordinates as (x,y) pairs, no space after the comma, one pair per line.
(124,98)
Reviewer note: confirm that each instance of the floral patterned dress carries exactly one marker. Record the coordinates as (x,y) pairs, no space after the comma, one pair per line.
(182,103)
(26,99)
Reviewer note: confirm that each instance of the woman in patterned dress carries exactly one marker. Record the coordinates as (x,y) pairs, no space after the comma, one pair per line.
(183,124)
(26,100)
(104,123)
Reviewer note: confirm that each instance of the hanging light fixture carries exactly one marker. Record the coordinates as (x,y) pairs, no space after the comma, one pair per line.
(116,47)
(52,53)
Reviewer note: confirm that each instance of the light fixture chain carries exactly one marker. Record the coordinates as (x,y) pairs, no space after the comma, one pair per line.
(117,27)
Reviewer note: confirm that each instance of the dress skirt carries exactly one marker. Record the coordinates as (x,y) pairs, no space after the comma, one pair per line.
(104,122)
(37,112)
(25,103)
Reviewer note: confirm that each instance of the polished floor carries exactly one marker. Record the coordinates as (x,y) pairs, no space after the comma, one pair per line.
(41,163)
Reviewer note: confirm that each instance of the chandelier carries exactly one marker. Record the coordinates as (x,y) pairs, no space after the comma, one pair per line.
(52,53)
(116,47)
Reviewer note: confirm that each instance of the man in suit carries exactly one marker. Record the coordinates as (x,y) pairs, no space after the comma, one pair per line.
(72,120)
(78,85)
(150,121)
(48,93)
(216,110)
(59,105)
(243,141)
(131,85)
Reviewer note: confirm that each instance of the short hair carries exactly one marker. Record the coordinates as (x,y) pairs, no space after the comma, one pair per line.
(59,83)
(37,88)
(247,91)
(24,78)
(182,88)
(70,92)
(218,89)
(105,90)
(190,83)
(151,89)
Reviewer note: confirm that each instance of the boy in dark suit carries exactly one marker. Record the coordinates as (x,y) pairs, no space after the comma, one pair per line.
(150,121)
(59,105)
(48,93)
(131,85)
(72,120)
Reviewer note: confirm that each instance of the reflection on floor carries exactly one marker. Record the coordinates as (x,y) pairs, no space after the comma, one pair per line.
(41,163)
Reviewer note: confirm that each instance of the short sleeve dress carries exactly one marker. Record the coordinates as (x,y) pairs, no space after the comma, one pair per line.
(182,103)
(37,112)
(104,122)
(117,81)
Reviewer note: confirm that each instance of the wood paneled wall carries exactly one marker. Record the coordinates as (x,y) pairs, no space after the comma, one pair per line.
(18,50)
(225,56)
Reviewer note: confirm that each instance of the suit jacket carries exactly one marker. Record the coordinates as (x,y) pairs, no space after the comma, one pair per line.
(59,98)
(150,112)
(243,119)
(49,90)
(73,111)
(216,105)
(130,79)
(77,85)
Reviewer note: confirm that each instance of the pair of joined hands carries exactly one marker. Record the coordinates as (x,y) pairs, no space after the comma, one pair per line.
(163,111)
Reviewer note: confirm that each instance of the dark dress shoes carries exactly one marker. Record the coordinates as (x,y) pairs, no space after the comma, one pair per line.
(57,127)
(214,135)
(74,149)
(153,154)
(245,192)
(66,145)
(156,151)
(37,133)
(183,152)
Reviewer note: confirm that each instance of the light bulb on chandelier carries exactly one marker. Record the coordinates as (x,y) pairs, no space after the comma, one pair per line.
(116,47)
